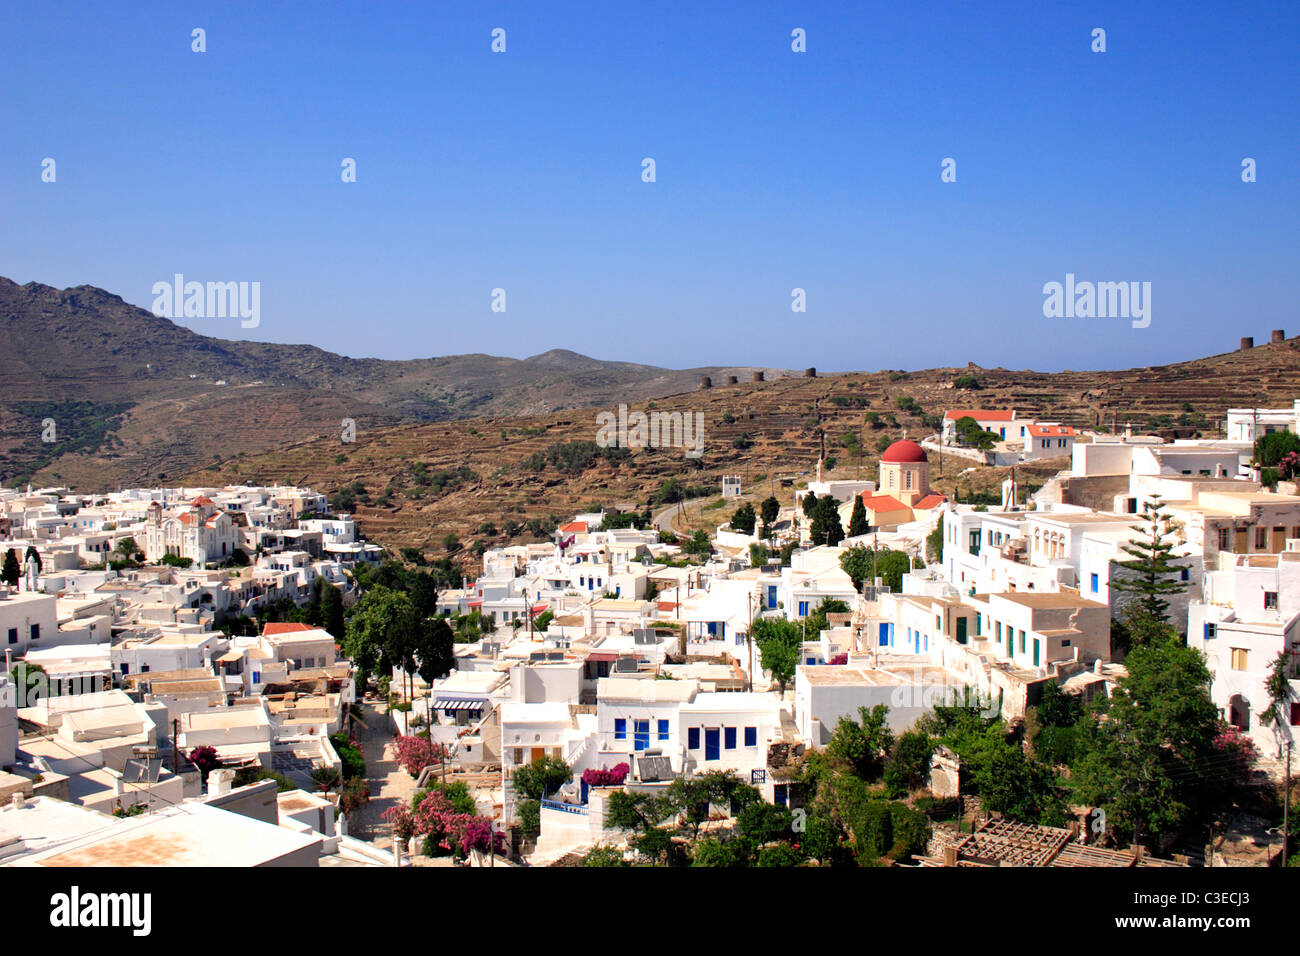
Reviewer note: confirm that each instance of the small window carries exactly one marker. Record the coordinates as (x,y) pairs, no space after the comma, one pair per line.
(1238,659)
(13,635)
(663,730)
(620,728)
(1270,600)
(1211,631)
(1261,539)
(729,738)
(1094,584)
(36,631)
(751,736)
(1223,539)
(1186,574)
(693,738)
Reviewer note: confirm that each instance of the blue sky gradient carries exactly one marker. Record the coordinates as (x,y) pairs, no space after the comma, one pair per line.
(522,170)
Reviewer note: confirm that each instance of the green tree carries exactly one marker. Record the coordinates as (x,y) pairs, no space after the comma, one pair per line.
(970,434)
(934,542)
(381,632)
(757,555)
(858,520)
(778,642)
(862,745)
(1152,576)
(32,553)
(1278,687)
(908,766)
(808,503)
(744,519)
(11,573)
(858,563)
(769,509)
(1272,448)
(1148,755)
(543,776)
(332,616)
(890,568)
(816,622)
(435,649)
(826,526)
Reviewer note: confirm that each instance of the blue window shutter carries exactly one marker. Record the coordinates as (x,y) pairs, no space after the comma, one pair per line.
(663,730)
(620,728)
(751,736)
(729,737)
(693,738)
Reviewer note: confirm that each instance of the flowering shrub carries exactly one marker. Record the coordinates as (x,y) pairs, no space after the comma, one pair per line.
(416,753)
(1238,753)
(606,776)
(442,827)
(1288,465)
(205,759)
(839,659)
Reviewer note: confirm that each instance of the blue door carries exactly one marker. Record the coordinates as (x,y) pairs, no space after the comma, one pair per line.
(884,635)
(712,750)
(771,595)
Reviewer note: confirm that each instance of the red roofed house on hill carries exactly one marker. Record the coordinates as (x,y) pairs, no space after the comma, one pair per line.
(1000,421)
(1048,440)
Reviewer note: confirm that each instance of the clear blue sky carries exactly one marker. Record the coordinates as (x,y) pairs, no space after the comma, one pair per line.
(775,170)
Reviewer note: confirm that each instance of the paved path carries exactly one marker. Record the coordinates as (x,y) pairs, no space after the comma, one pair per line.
(390,785)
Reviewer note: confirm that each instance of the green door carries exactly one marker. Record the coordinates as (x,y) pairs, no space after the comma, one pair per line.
(1036,643)
(961,630)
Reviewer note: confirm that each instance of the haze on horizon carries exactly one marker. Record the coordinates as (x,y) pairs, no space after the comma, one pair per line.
(775,170)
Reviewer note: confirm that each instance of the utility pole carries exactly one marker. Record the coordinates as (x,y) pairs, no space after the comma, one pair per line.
(1286,807)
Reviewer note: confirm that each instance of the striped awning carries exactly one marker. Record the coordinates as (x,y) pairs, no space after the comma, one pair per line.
(450,705)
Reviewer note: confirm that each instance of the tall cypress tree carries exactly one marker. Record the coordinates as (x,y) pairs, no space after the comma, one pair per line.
(858,520)
(1152,576)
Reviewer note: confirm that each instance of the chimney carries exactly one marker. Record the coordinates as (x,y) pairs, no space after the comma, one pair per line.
(220,782)
(1247,342)
(758,376)
(19,800)
(1277,337)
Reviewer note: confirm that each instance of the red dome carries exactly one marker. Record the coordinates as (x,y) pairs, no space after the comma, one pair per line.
(904,452)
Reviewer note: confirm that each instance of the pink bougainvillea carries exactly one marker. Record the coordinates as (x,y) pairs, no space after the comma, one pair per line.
(606,776)
(1238,752)
(434,818)
(415,753)
(839,659)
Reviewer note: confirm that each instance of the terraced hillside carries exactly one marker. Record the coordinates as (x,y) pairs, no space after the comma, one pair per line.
(479,479)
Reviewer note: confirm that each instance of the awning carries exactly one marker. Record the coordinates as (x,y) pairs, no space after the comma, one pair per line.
(450,705)
(230,657)
(599,656)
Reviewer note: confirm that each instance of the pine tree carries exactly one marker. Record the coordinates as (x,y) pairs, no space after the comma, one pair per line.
(858,520)
(1152,576)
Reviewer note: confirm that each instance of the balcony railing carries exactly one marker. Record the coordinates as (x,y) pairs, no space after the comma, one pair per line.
(564,807)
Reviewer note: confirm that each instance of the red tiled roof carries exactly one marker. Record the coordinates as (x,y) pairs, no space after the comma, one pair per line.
(982,414)
(881,502)
(202,501)
(666,605)
(285,627)
(930,501)
(574,526)
(1051,431)
(903,452)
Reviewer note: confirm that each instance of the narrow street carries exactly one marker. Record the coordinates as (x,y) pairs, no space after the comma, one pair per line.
(390,785)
